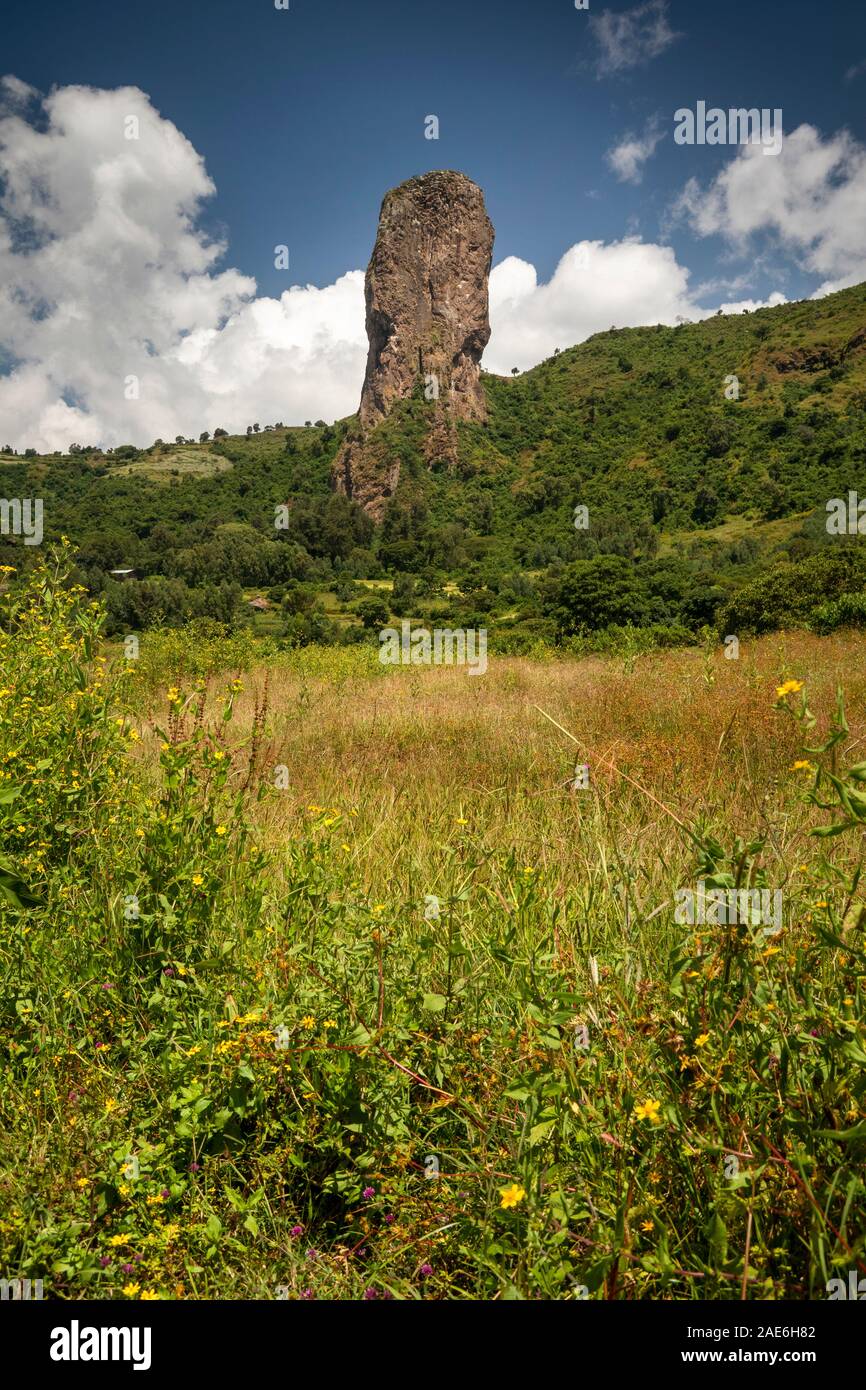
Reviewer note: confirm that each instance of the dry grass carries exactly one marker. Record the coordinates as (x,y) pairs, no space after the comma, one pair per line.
(411,754)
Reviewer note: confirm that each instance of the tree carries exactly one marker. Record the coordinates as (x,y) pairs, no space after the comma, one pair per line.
(515,371)
(255,429)
(373,612)
(203,437)
(590,595)
(220,434)
(178,439)
(706,505)
(402,594)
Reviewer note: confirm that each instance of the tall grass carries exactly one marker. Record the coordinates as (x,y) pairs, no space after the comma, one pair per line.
(301,937)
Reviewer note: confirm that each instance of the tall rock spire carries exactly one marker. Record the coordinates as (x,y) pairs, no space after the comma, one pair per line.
(427,318)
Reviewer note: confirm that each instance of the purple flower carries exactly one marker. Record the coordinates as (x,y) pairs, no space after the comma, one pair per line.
(168,970)
(425,1270)
(194,1167)
(390,1217)
(105,1261)
(368,1193)
(312,1254)
(387,1294)
(165,1193)
(107,986)
(296,1231)
(127,1269)
(370,1293)
(137,1258)
(307,1293)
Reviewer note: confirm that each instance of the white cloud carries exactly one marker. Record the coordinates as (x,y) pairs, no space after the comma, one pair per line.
(105,275)
(629,38)
(743,306)
(811,199)
(15,93)
(595,286)
(628,157)
(856,71)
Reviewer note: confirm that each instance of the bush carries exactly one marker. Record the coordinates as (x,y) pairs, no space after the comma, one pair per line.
(373,612)
(591,595)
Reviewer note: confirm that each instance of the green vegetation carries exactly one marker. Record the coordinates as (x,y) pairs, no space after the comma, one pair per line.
(708,498)
(241,1026)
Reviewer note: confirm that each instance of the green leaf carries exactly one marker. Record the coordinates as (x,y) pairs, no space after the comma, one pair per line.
(434,1003)
(214,1226)
(540,1132)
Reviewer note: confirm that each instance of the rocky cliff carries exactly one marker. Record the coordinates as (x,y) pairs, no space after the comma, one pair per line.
(427,324)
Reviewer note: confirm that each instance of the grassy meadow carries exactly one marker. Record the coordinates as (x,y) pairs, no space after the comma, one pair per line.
(320,979)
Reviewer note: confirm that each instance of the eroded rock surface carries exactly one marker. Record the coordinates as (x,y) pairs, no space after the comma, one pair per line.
(427,319)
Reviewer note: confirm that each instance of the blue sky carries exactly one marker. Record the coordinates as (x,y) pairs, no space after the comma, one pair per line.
(305,117)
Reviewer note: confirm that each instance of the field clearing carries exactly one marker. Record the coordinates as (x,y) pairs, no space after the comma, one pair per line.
(194,462)
(411,751)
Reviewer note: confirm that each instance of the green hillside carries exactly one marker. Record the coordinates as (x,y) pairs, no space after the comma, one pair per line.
(693,497)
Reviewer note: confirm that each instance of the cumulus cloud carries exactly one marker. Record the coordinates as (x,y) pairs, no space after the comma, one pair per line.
(107,277)
(628,283)
(109,287)
(810,199)
(629,38)
(627,158)
(14,92)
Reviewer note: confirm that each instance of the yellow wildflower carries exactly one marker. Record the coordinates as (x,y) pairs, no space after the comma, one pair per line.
(511,1196)
(649,1110)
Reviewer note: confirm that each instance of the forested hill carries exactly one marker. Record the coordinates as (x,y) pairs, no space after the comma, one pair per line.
(636,424)
(714,441)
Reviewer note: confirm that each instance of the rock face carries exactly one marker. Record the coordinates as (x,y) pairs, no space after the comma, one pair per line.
(427,319)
